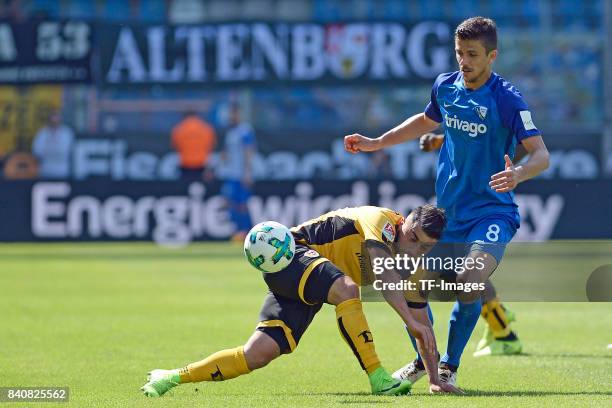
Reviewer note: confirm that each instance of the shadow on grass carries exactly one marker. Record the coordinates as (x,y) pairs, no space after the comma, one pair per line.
(469,393)
(555,355)
(346,394)
(380,399)
(527,393)
(573,355)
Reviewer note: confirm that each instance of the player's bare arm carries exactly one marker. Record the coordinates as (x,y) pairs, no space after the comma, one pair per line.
(410,129)
(435,385)
(537,162)
(423,333)
(421,328)
(520,153)
(397,301)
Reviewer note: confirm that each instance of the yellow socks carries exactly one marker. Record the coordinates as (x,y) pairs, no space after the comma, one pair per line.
(231,363)
(355,331)
(495,315)
(222,365)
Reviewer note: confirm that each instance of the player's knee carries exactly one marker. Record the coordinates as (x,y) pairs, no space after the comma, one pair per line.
(473,275)
(260,350)
(469,296)
(351,289)
(489,293)
(258,357)
(343,289)
(471,283)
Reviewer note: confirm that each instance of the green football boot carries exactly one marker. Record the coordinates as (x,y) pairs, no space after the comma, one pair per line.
(487,337)
(501,348)
(159,382)
(383,384)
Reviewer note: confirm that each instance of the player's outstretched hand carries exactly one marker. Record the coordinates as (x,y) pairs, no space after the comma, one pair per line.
(358,143)
(430,141)
(444,388)
(506,180)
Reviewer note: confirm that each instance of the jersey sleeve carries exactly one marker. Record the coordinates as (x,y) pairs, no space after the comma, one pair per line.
(432,110)
(515,115)
(380,227)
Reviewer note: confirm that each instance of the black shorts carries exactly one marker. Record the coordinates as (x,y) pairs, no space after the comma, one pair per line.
(296,295)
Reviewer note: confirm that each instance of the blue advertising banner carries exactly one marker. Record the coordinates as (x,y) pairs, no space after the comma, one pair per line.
(180,212)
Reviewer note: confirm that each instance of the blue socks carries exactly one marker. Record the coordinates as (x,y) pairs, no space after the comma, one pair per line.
(460,327)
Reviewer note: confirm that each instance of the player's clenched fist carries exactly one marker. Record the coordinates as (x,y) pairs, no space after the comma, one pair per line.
(430,141)
(357,143)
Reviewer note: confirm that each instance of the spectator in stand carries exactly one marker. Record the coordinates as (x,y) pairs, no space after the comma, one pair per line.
(236,171)
(20,166)
(52,147)
(194,140)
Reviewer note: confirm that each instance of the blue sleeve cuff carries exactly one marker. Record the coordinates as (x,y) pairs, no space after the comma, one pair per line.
(433,113)
(527,134)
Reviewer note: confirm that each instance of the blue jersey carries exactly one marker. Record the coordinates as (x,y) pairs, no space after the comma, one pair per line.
(237,140)
(480,126)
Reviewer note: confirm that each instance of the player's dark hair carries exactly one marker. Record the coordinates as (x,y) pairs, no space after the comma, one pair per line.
(479,28)
(431,219)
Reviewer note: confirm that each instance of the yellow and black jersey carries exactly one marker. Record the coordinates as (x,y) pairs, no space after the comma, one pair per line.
(339,235)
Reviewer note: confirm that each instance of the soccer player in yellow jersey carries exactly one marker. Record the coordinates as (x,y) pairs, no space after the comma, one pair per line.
(326,269)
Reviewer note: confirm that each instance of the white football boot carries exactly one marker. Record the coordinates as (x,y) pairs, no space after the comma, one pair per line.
(447,375)
(411,372)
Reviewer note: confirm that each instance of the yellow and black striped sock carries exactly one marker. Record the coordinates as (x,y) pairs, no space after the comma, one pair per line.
(495,315)
(220,366)
(355,331)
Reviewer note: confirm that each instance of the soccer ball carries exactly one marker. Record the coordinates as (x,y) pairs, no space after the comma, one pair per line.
(269,246)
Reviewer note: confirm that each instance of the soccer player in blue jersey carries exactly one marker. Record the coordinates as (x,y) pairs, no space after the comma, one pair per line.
(498,337)
(236,171)
(483,117)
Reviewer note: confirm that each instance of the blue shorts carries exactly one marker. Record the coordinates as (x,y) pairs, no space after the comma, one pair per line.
(490,234)
(235,192)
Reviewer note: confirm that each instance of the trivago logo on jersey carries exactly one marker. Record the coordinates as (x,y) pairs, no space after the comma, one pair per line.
(473,128)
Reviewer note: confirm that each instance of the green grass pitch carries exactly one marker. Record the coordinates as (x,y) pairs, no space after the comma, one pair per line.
(97,317)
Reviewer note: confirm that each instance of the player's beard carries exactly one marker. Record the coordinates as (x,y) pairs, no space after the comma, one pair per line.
(473,77)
